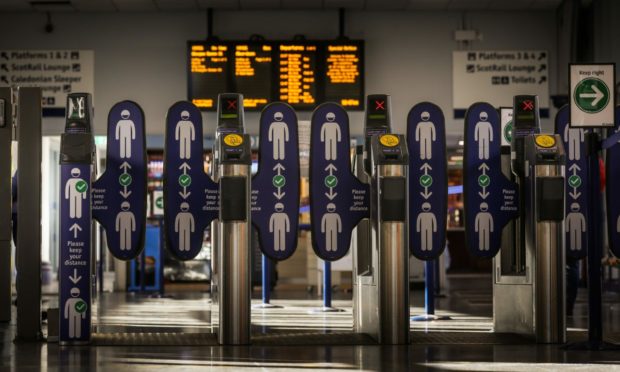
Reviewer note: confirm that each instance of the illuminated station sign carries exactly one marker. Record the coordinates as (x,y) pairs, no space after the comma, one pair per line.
(302,74)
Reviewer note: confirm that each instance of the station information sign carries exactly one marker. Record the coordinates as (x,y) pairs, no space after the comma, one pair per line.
(300,73)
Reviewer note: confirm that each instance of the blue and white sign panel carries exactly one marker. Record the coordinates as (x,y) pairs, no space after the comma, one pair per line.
(119,195)
(190,196)
(428,188)
(75,251)
(612,194)
(275,188)
(491,200)
(338,200)
(576,184)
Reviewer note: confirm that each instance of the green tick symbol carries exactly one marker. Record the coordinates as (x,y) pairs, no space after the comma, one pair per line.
(80,306)
(185,180)
(81,186)
(278,180)
(426,180)
(484,180)
(159,202)
(574,181)
(125,179)
(331,181)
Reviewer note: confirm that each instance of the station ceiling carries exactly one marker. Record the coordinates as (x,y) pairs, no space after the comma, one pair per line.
(188,5)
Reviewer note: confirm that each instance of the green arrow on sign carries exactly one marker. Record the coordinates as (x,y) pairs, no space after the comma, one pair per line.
(591,95)
(159,202)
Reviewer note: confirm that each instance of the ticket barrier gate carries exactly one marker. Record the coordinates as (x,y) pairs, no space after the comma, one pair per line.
(232,258)
(233,244)
(528,276)
(380,248)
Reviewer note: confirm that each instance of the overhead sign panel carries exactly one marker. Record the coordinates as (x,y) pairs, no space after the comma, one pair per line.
(498,76)
(57,72)
(300,73)
(592,95)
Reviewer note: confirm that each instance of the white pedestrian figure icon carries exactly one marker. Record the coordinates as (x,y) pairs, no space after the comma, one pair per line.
(331,225)
(184,225)
(575,225)
(483,134)
(75,194)
(484,227)
(125,224)
(426,225)
(574,137)
(330,135)
(425,134)
(75,311)
(278,136)
(279,225)
(185,134)
(125,132)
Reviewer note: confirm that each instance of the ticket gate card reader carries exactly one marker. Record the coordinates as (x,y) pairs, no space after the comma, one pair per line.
(365,300)
(232,250)
(390,235)
(529,292)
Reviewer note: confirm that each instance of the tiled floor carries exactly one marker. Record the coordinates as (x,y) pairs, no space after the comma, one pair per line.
(468,303)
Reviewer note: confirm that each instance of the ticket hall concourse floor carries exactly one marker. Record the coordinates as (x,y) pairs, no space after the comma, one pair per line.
(142,333)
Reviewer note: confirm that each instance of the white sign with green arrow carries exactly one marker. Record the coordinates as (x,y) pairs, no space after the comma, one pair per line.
(592,95)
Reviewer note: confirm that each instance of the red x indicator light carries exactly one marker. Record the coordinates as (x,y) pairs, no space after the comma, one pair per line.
(528,105)
(379,105)
(232,104)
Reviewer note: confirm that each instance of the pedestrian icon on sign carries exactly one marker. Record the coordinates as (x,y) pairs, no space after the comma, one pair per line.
(278,136)
(484,227)
(75,192)
(125,133)
(425,134)
(483,134)
(74,312)
(185,134)
(184,225)
(279,225)
(330,135)
(331,226)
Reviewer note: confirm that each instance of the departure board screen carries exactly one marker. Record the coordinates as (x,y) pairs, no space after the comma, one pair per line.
(297,74)
(301,73)
(208,66)
(252,78)
(344,74)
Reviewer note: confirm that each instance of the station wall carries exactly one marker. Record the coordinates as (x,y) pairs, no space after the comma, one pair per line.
(141,56)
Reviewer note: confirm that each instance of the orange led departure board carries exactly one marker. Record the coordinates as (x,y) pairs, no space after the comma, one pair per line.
(300,73)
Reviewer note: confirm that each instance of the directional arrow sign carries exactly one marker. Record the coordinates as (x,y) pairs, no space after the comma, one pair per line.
(576,184)
(612,194)
(592,90)
(491,200)
(75,228)
(119,195)
(190,196)
(333,218)
(426,140)
(275,188)
(75,278)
